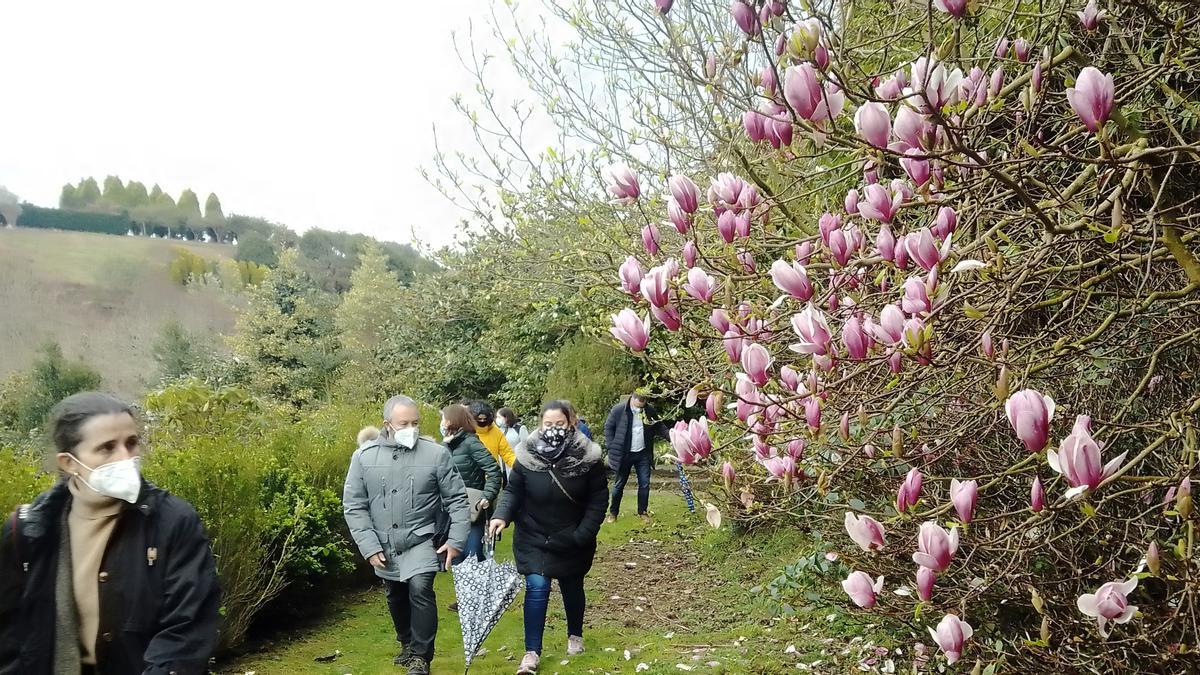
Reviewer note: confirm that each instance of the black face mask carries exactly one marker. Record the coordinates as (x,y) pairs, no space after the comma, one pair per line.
(555,436)
(484,422)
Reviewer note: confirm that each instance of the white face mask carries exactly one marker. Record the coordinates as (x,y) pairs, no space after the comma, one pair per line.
(119,480)
(501,423)
(406,437)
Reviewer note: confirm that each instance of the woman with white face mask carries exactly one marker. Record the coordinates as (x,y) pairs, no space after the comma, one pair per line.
(104,572)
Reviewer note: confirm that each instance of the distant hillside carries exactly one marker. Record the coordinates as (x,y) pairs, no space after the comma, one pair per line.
(103,298)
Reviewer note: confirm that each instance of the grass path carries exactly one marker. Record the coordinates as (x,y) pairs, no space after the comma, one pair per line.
(675,593)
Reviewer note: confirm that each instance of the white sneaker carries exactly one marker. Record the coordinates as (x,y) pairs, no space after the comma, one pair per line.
(529,664)
(574,645)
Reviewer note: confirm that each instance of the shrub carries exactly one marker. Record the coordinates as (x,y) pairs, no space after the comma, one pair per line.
(22,479)
(28,398)
(592,375)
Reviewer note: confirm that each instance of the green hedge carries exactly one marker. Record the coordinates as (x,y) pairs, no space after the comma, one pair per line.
(78,221)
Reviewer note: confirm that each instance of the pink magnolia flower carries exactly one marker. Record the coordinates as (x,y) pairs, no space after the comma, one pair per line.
(682,444)
(745,17)
(925,580)
(924,249)
(1092,98)
(851,201)
(804,252)
(656,286)
(663,6)
(631,329)
(1035,78)
(844,243)
(727,224)
(768,80)
(916,167)
(755,361)
(728,473)
(878,204)
(885,243)
(890,329)
(951,634)
(955,8)
(700,285)
(873,123)
(712,406)
(1021,49)
(865,531)
(826,224)
(932,86)
(719,319)
(668,316)
(690,253)
(650,239)
(795,448)
(678,217)
(802,90)
(1037,496)
(726,190)
(996,83)
(911,128)
(1001,50)
(631,276)
(778,131)
(855,338)
(945,223)
(734,345)
(910,490)
(963,495)
(861,589)
(935,546)
(890,89)
(746,258)
(782,467)
(1029,413)
(792,279)
(916,297)
(685,192)
(755,123)
(1153,558)
(813,331)
(1091,15)
(1109,603)
(623,184)
(812,413)
(1078,459)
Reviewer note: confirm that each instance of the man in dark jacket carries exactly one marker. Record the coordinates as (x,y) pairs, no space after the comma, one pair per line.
(629,436)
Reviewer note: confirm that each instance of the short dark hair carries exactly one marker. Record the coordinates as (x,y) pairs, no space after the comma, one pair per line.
(71,413)
(510,416)
(458,418)
(563,407)
(482,409)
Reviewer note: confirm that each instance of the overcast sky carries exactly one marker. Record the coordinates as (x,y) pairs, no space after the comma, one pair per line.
(304,113)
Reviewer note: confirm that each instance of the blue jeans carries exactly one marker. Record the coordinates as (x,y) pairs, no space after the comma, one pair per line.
(537,597)
(474,546)
(643,462)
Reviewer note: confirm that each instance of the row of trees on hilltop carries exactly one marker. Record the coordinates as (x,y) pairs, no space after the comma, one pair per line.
(144,207)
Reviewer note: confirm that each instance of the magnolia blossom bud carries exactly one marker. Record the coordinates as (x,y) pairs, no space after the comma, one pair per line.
(1153,562)
(1183,498)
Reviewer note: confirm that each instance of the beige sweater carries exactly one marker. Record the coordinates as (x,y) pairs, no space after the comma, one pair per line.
(91,522)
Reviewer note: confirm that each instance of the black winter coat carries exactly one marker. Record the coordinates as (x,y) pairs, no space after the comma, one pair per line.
(159,597)
(479,470)
(617,430)
(555,536)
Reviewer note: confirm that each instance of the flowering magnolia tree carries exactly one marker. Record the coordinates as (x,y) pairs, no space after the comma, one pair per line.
(930,269)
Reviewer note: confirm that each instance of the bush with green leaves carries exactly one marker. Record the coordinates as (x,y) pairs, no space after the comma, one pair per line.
(27,398)
(592,375)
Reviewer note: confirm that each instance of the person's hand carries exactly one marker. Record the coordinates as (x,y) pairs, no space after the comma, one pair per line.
(450,551)
(496,527)
(378,561)
(483,504)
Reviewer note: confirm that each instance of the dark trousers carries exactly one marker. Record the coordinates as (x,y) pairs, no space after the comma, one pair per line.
(474,545)
(414,612)
(643,462)
(537,598)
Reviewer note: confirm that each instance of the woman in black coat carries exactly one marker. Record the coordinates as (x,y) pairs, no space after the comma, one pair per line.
(104,572)
(556,495)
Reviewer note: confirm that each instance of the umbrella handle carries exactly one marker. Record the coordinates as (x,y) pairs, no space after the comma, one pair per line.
(489,546)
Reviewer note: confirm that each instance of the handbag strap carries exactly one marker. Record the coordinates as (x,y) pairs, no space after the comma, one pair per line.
(558,481)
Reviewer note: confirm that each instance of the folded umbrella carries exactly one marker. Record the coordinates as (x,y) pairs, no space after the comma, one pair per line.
(484,588)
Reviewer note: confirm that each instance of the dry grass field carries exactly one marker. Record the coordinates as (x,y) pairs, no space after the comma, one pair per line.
(103,298)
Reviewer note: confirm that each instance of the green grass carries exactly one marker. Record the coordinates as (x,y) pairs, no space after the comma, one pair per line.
(686,600)
(103,298)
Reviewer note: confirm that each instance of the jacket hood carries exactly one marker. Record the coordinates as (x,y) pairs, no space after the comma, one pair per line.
(367,434)
(577,460)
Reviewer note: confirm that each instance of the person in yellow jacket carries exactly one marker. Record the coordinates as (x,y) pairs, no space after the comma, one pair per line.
(491,435)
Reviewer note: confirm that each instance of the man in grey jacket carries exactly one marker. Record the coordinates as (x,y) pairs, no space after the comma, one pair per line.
(398,488)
